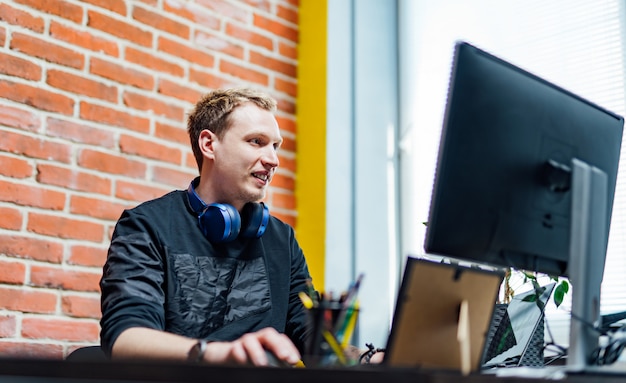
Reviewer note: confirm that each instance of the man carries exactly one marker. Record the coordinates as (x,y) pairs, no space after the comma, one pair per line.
(182,281)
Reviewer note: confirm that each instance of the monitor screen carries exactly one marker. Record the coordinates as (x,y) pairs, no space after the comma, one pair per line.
(502,192)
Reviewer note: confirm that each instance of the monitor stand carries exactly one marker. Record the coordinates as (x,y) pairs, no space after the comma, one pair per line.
(588,244)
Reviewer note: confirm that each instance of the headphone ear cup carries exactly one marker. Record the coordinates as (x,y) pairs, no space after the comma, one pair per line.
(220,222)
(255,217)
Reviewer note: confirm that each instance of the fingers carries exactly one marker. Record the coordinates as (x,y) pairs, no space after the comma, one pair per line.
(280,345)
(252,349)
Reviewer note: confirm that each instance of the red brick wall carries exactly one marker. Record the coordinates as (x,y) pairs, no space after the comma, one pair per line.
(93,100)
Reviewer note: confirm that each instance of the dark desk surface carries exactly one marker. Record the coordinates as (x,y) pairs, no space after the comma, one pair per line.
(57,371)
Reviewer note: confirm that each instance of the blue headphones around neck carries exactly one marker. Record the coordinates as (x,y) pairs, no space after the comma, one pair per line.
(221,222)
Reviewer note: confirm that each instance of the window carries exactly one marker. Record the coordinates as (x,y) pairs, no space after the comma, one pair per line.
(576,44)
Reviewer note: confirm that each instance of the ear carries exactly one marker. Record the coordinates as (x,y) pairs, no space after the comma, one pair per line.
(207,142)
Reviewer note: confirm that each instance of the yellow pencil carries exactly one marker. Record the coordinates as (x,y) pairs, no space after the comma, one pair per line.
(306,300)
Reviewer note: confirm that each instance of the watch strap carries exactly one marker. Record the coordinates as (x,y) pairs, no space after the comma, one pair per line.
(196,353)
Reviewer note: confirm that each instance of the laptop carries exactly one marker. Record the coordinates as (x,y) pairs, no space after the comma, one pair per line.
(514,340)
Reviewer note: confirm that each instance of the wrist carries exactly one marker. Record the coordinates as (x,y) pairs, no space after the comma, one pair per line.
(197,351)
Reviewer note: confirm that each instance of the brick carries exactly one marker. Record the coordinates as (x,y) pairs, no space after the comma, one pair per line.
(10,217)
(158,107)
(286,218)
(287,106)
(180,91)
(81,306)
(83,255)
(27,350)
(19,118)
(73,179)
(120,28)
(256,40)
(59,329)
(190,161)
(96,208)
(288,14)
(3,33)
(122,74)
(207,79)
(80,85)
(287,163)
(8,326)
(81,38)
(117,6)
(37,97)
(217,43)
(47,50)
(286,86)
(273,64)
(12,272)
(35,147)
(59,8)
(193,12)
(59,278)
(64,227)
(286,124)
(244,73)
(186,52)
(150,149)
(15,167)
(80,132)
(176,178)
(111,163)
(264,5)
(161,23)
(31,248)
(289,144)
(171,133)
(155,61)
(227,10)
(289,51)
(19,67)
(113,117)
(31,195)
(284,200)
(136,192)
(21,18)
(276,28)
(27,301)
(283,182)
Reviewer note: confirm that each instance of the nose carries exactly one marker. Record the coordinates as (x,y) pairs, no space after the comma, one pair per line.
(270,158)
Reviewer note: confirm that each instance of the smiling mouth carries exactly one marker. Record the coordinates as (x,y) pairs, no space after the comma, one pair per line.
(262,177)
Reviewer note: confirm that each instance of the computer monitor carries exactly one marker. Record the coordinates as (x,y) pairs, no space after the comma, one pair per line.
(525,178)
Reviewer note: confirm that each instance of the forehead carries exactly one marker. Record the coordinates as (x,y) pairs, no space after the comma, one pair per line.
(251,119)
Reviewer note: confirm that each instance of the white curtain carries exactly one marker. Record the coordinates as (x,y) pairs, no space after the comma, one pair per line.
(576,44)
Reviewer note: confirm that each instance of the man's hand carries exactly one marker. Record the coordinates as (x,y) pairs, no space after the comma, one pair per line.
(251,349)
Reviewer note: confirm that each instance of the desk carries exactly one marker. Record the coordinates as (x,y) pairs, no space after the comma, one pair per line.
(59,371)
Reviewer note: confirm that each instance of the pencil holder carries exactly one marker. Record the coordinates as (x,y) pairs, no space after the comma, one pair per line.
(331,327)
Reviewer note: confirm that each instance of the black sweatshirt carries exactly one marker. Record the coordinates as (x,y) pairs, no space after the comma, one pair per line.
(162,273)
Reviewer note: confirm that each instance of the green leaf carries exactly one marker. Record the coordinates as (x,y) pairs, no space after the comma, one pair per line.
(530,298)
(559,292)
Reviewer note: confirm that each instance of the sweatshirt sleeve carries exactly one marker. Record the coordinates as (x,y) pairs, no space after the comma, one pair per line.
(132,280)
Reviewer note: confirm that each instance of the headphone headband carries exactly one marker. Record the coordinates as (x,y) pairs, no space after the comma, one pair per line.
(221,222)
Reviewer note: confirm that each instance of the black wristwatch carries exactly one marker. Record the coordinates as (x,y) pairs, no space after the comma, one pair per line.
(196,353)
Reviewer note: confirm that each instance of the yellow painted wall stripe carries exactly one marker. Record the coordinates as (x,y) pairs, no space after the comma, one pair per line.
(311,136)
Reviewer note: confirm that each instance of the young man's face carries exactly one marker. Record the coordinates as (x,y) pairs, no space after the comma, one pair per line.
(246,158)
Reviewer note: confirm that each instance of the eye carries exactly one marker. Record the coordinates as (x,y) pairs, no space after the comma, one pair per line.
(256,141)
